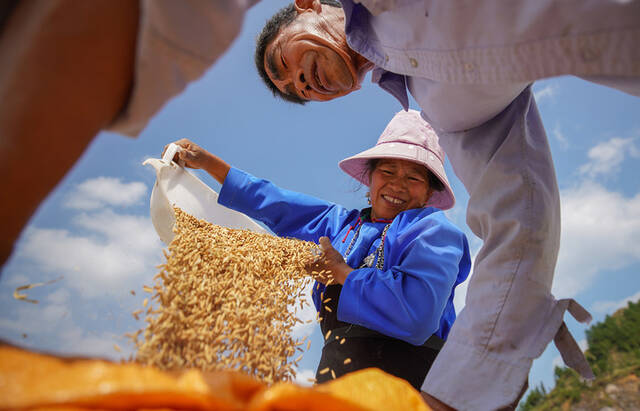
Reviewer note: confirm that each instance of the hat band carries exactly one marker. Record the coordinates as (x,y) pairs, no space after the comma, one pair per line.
(413,144)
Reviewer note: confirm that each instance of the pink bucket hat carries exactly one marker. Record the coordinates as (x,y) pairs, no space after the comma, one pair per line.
(406,137)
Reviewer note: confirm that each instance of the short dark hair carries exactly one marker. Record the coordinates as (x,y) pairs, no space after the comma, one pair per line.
(434,182)
(281,19)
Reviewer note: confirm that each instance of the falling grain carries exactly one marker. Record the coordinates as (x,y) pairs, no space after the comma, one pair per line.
(224,301)
(136,314)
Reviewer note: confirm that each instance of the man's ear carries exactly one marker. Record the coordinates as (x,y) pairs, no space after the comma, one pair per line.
(304,5)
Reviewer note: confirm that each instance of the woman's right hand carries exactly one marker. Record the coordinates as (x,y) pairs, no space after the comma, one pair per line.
(192,155)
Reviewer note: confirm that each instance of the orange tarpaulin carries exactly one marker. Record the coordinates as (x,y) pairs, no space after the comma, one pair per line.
(30,380)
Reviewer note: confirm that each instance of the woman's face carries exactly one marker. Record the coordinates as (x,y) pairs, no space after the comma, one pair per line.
(396,186)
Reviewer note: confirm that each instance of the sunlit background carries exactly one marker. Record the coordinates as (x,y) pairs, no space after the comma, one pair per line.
(94,233)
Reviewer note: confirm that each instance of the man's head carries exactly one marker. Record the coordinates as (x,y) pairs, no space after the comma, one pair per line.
(302,53)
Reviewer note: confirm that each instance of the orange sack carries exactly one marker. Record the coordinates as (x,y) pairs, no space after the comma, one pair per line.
(30,380)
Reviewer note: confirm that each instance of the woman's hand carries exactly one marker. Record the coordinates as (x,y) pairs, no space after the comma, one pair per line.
(329,266)
(194,156)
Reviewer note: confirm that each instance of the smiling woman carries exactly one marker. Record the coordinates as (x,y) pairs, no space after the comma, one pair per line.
(395,264)
(398,185)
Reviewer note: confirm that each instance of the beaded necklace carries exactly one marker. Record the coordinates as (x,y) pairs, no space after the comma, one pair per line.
(368,260)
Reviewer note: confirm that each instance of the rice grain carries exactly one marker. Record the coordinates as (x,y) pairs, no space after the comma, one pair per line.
(226,299)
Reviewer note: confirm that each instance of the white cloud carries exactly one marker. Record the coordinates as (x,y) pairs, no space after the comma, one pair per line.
(44,318)
(105,191)
(609,307)
(303,376)
(600,231)
(605,158)
(78,342)
(50,327)
(60,296)
(117,251)
(16,280)
(544,93)
(560,138)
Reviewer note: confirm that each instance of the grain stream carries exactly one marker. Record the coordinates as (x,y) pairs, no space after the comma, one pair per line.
(226,299)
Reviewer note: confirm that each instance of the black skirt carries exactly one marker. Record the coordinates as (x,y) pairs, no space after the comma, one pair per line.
(362,348)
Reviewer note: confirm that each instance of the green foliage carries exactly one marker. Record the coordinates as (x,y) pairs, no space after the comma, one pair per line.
(536,396)
(614,345)
(616,334)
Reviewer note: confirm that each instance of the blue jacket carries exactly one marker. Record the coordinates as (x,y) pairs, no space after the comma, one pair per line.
(425,256)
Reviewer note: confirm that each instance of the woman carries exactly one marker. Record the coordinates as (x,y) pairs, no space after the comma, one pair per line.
(394,264)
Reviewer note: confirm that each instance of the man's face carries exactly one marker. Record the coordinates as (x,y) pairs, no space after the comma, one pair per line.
(310,58)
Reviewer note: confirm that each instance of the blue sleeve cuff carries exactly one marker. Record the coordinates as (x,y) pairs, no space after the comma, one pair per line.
(234,180)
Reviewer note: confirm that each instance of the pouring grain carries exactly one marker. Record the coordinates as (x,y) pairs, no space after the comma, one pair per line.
(226,299)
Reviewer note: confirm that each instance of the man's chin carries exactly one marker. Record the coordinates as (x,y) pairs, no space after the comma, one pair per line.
(328,97)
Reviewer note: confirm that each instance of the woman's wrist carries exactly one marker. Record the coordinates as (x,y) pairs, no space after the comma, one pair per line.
(217,168)
(342,272)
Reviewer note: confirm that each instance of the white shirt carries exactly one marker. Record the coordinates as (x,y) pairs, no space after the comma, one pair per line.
(177,42)
(455,52)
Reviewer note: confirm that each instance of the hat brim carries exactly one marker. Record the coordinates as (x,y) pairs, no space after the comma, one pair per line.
(356,167)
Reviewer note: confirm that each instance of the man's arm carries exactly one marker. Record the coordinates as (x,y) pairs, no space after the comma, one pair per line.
(66,68)
(69,68)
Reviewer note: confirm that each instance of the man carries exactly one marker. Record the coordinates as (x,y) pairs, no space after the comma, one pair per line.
(69,68)
(469,65)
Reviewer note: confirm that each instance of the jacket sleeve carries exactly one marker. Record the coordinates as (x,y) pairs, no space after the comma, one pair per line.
(285,212)
(406,299)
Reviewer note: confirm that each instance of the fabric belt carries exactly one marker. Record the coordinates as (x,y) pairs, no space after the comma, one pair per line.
(570,351)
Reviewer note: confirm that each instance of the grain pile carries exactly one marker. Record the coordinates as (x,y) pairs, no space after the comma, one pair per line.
(223,300)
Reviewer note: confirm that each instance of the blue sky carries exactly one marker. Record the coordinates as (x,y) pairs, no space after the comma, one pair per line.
(94,229)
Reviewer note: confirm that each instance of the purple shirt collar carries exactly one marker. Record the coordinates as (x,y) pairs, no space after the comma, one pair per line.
(356,28)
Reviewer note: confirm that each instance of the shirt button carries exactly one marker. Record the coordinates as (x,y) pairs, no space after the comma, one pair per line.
(469,67)
(414,62)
